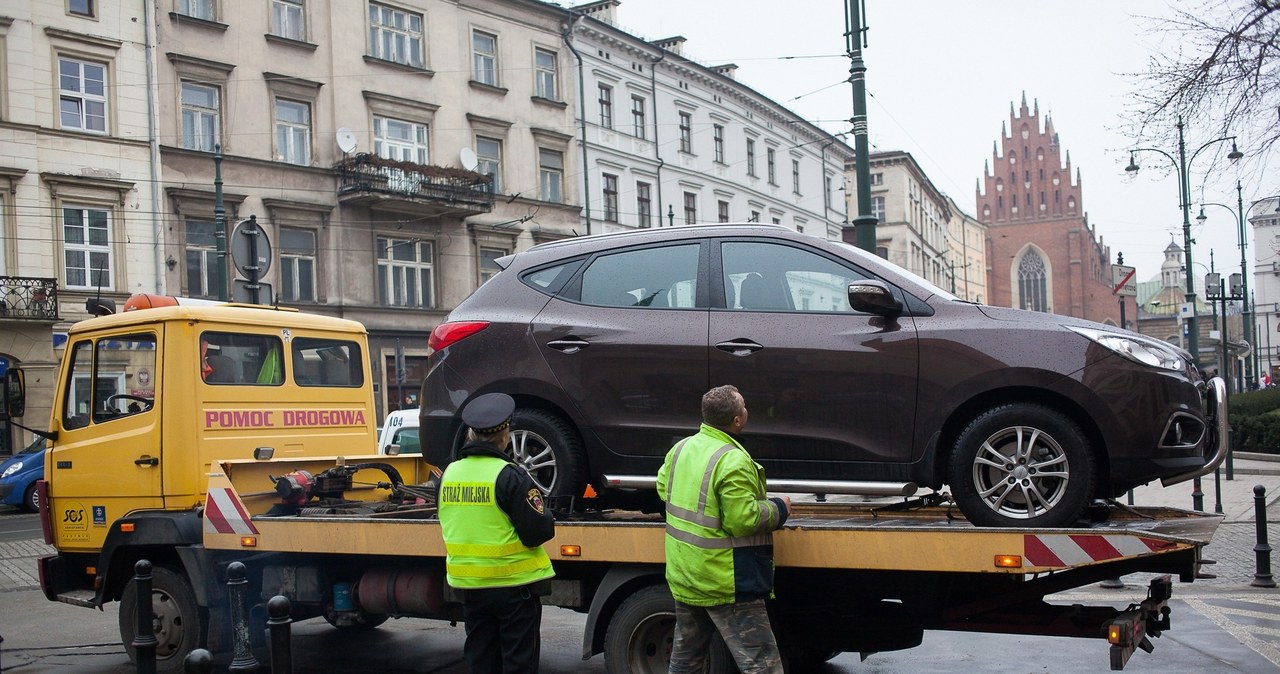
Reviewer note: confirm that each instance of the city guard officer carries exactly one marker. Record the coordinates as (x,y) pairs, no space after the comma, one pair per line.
(494,523)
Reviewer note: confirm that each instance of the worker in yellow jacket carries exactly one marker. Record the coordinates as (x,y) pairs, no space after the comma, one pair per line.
(718,543)
(494,523)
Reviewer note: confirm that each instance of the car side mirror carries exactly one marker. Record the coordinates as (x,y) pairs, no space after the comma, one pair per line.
(874,297)
(15,394)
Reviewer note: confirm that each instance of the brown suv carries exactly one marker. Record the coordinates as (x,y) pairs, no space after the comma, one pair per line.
(855,372)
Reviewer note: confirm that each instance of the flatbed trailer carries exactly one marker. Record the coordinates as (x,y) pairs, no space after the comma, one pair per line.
(850,577)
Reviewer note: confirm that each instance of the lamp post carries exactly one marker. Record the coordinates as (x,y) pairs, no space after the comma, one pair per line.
(1250,371)
(1214,290)
(1181,165)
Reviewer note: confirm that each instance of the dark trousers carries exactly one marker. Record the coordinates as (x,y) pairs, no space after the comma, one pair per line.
(502,630)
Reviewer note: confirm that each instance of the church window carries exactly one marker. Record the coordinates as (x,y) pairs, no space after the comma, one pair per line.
(1033,288)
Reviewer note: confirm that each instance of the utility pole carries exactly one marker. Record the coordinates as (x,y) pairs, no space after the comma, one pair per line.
(219,224)
(864,226)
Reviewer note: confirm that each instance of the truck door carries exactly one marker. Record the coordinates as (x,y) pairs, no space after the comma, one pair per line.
(106,460)
(821,381)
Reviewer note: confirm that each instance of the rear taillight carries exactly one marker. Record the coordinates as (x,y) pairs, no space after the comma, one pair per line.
(448,333)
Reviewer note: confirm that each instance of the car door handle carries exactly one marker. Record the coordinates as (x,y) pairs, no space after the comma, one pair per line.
(146,461)
(568,344)
(740,347)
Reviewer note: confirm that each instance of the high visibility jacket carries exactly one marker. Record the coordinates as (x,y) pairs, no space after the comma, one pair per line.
(482,547)
(718,546)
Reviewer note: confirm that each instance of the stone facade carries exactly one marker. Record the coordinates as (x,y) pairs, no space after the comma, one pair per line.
(914,216)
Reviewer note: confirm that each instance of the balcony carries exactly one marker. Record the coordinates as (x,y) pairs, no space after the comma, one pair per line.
(386,184)
(28,298)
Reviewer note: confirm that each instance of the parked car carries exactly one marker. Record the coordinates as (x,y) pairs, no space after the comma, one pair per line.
(400,428)
(852,368)
(18,475)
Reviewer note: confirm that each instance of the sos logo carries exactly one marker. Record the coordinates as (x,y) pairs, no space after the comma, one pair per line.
(73,516)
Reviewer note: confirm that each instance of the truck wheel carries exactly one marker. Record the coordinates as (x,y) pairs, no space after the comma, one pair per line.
(174,617)
(547,446)
(641,632)
(31,499)
(362,622)
(1023,465)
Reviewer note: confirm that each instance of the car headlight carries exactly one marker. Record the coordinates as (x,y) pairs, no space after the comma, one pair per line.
(1146,351)
(11,470)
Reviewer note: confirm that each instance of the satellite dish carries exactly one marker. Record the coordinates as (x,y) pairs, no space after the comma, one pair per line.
(346,140)
(468,158)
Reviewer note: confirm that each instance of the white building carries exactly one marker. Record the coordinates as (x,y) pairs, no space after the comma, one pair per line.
(1264,216)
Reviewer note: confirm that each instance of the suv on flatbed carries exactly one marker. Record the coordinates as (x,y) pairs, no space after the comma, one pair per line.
(853,369)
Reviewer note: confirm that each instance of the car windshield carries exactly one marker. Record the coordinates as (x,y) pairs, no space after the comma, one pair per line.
(33,447)
(935,290)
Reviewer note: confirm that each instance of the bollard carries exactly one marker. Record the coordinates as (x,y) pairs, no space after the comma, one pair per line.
(1263,551)
(1197,496)
(278,625)
(198,661)
(1217,492)
(1130,497)
(242,659)
(144,639)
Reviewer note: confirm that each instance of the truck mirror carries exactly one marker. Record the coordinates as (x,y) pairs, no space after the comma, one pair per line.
(393,450)
(15,393)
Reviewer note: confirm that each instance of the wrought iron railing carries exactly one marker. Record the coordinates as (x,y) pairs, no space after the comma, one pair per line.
(371,174)
(29,297)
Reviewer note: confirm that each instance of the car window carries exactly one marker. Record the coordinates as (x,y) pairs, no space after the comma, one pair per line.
(327,362)
(109,379)
(407,438)
(229,358)
(661,277)
(551,279)
(760,276)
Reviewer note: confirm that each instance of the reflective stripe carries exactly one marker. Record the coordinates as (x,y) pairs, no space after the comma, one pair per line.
(700,516)
(719,543)
(487,571)
(482,550)
(675,461)
(706,478)
(768,514)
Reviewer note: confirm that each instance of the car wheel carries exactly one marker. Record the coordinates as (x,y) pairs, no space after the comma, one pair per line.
(548,447)
(175,618)
(1022,465)
(31,499)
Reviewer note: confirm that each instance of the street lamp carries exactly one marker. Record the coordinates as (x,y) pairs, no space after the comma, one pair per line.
(1181,164)
(1248,336)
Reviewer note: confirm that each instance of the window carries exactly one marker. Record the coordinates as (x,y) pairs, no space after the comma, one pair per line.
(197,9)
(795,176)
(202,258)
(826,191)
(297,265)
(242,359)
(722,210)
(877,208)
(395,35)
(751,157)
(400,140)
(118,383)
(81,8)
(606,106)
(406,273)
(877,179)
(717,138)
(771,163)
(644,205)
(690,208)
(293,132)
(489,160)
(637,117)
(610,198)
(1033,282)
(755,216)
(82,95)
(484,58)
(488,263)
(86,246)
(663,277)
(199,117)
(288,19)
(686,132)
(773,277)
(551,175)
(326,362)
(546,68)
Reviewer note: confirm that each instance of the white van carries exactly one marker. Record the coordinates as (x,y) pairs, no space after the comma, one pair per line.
(400,428)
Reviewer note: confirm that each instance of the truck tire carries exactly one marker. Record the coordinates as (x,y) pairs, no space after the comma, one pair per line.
(175,618)
(548,447)
(1022,465)
(640,636)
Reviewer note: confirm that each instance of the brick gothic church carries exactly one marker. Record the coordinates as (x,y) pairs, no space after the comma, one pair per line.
(1041,252)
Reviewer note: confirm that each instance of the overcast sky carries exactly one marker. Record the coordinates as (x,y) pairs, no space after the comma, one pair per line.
(941,77)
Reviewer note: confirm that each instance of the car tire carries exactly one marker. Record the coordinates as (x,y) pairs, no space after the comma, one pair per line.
(1024,465)
(641,633)
(548,447)
(176,618)
(31,499)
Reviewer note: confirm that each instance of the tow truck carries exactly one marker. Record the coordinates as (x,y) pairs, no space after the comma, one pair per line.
(272,463)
